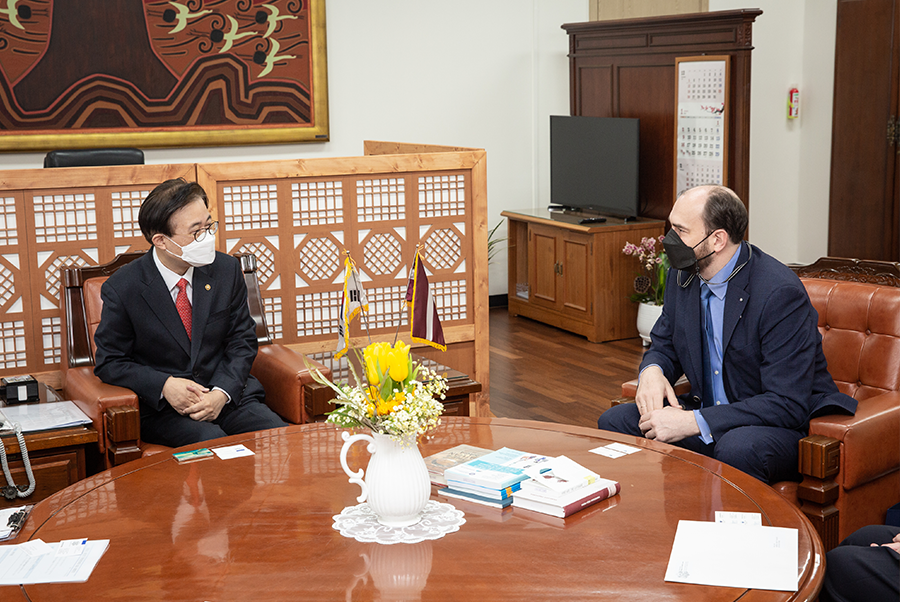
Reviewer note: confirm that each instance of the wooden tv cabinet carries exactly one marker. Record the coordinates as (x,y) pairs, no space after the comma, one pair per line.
(575,276)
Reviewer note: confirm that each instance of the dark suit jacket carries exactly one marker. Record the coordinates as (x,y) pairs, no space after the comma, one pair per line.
(141,340)
(774,371)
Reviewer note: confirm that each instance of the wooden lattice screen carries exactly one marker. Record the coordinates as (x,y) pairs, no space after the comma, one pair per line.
(296,217)
(50,218)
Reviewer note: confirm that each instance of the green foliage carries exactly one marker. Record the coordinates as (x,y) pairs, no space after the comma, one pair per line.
(494,244)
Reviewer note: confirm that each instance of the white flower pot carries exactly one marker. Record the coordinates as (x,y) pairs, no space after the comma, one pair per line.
(396,483)
(648,313)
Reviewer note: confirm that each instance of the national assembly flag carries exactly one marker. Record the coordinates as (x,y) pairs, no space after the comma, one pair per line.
(353,301)
(425,326)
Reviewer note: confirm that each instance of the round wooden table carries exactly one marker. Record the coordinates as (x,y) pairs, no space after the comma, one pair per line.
(260,527)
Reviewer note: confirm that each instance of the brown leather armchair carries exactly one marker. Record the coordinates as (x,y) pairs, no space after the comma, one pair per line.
(114,410)
(850,464)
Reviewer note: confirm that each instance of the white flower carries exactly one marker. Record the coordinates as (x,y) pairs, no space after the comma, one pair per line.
(403,410)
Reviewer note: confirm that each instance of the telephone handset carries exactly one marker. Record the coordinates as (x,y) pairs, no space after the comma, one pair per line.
(11,491)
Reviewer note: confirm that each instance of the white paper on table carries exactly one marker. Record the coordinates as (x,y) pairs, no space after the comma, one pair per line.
(35,547)
(732,555)
(18,566)
(71,547)
(615,450)
(739,518)
(232,451)
(605,451)
(44,416)
(625,449)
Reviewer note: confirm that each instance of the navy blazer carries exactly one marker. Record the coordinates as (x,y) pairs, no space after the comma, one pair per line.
(141,340)
(773,368)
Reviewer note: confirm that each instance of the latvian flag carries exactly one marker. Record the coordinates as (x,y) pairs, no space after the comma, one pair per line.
(353,301)
(425,327)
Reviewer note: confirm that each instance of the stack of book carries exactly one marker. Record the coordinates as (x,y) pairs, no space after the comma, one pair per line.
(493,478)
(562,487)
(441,461)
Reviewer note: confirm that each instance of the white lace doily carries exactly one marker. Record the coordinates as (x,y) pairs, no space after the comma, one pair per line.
(361,523)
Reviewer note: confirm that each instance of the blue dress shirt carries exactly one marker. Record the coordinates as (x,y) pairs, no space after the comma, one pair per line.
(718,285)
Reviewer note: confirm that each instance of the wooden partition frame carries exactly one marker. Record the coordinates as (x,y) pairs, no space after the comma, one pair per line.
(296,216)
(55,217)
(377,207)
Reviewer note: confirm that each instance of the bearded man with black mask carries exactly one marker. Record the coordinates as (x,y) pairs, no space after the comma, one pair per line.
(739,324)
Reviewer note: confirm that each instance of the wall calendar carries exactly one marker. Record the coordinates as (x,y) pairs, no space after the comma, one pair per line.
(701,121)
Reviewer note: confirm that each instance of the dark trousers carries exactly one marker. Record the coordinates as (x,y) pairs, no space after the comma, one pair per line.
(168,427)
(856,571)
(765,452)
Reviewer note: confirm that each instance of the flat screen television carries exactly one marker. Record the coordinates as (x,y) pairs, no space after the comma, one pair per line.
(594,165)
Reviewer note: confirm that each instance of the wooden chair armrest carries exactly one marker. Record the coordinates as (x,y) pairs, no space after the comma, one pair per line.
(94,397)
(867,440)
(820,456)
(819,463)
(123,434)
(318,400)
(285,376)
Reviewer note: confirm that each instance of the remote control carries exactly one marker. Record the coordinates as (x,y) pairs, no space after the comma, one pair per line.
(592,220)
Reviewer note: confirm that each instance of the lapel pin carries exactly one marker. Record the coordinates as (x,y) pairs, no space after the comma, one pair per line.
(208,287)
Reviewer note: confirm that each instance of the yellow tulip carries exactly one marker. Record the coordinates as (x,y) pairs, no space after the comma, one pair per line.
(376,361)
(398,362)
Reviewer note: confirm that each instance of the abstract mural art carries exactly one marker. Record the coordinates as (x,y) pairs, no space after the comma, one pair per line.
(91,73)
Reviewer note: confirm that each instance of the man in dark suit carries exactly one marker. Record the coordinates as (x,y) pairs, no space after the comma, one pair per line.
(740,326)
(176,328)
(865,567)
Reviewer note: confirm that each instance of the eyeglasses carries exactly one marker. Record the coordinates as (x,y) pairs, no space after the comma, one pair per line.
(202,232)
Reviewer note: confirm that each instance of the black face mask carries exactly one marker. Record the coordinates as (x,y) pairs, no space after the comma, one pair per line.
(681,256)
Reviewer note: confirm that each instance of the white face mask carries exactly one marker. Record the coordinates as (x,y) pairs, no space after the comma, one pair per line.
(197,253)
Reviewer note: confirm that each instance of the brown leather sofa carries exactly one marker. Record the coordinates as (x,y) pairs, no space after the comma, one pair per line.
(850,464)
(114,410)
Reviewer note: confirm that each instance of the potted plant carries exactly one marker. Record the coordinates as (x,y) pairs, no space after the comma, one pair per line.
(650,284)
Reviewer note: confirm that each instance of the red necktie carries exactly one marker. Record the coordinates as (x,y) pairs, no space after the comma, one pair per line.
(183,305)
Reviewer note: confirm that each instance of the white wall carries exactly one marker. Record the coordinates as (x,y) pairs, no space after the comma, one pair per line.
(489,74)
(820,22)
(468,73)
(790,160)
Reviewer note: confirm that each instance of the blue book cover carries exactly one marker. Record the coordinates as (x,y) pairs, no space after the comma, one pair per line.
(497,470)
(496,494)
(472,497)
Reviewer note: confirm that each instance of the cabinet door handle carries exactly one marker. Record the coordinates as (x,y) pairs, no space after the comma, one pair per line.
(559,269)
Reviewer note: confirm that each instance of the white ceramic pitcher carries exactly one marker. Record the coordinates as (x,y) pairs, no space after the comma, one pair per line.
(396,483)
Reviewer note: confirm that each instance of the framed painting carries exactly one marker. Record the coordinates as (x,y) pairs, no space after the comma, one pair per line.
(161,73)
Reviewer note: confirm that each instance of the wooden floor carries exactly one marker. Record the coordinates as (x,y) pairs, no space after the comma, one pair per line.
(539,372)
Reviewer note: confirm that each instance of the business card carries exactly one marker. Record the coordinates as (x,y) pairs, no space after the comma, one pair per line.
(615,450)
(232,451)
(192,455)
